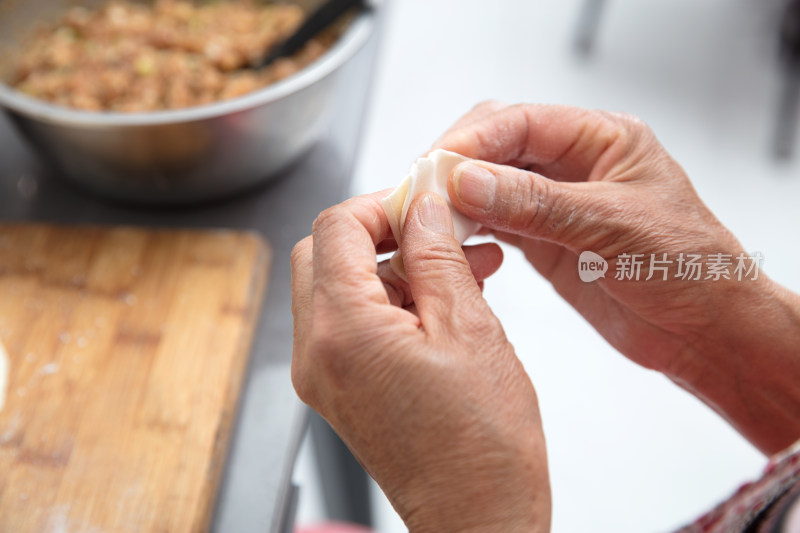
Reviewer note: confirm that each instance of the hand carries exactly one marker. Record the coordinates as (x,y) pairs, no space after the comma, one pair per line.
(559,181)
(418,379)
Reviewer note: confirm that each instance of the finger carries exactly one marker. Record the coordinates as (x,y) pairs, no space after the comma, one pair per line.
(396,289)
(412,308)
(563,143)
(302,283)
(344,256)
(439,275)
(482,109)
(545,256)
(524,203)
(484,260)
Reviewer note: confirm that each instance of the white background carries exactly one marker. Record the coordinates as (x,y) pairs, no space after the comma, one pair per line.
(629,451)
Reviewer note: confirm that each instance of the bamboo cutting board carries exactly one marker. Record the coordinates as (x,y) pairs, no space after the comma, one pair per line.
(127,349)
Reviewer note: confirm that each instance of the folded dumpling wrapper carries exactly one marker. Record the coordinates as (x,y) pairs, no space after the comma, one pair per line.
(427,174)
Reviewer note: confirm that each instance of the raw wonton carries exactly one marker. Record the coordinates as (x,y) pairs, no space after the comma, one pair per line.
(427,174)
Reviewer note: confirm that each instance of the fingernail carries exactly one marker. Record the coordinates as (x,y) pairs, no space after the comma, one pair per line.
(475,185)
(434,213)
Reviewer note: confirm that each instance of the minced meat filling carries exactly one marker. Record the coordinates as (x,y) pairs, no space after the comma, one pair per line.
(132,57)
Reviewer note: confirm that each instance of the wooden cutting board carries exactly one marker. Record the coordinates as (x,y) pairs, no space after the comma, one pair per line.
(127,349)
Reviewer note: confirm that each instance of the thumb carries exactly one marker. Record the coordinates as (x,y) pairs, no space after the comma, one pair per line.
(525,203)
(439,274)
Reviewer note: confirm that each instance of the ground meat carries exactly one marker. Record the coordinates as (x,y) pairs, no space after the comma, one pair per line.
(170,54)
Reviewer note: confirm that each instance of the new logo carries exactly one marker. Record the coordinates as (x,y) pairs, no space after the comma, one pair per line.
(591,267)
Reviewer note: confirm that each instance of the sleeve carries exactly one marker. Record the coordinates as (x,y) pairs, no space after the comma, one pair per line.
(746,509)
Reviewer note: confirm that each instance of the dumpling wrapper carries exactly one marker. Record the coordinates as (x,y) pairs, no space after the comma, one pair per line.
(427,174)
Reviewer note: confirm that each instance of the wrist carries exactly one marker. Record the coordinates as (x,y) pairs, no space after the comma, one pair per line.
(746,363)
(488,491)
(482,508)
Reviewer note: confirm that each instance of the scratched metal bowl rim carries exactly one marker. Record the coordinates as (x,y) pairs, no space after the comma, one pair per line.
(353,38)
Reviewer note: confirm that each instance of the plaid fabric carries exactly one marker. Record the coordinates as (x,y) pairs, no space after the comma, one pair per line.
(737,513)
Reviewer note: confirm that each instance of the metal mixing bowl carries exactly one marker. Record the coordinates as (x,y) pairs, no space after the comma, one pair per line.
(181,156)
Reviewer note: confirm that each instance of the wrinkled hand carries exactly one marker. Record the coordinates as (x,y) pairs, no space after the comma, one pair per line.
(562,181)
(418,379)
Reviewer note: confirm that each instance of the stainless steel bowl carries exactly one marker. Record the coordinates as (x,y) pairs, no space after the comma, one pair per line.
(181,156)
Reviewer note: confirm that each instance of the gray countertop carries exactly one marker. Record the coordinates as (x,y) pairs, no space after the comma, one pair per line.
(254,493)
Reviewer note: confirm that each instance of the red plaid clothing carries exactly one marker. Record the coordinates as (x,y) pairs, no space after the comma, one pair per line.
(739,512)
